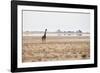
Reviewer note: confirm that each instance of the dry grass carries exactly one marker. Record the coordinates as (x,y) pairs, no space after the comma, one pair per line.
(55,48)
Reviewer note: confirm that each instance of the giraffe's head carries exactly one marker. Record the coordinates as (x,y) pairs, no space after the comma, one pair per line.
(45,29)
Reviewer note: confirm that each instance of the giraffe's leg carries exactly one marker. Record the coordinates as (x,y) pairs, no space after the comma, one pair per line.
(45,40)
(42,40)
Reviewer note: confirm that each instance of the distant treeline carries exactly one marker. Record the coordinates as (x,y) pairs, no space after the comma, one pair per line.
(58,31)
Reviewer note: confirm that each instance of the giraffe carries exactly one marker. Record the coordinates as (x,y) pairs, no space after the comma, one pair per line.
(44,36)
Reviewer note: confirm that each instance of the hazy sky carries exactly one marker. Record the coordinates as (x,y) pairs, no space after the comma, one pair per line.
(39,21)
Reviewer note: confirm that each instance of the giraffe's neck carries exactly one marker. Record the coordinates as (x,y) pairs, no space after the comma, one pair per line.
(45,33)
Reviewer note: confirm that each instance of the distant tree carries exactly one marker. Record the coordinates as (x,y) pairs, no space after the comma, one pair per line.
(59,32)
(64,32)
(69,32)
(79,32)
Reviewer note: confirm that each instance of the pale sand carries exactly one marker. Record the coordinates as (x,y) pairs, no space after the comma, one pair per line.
(55,48)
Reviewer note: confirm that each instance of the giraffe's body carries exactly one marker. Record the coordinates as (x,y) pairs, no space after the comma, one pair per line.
(44,36)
